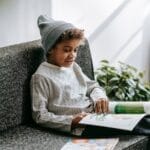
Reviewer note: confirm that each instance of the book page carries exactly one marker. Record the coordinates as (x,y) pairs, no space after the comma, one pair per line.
(117,121)
(91,144)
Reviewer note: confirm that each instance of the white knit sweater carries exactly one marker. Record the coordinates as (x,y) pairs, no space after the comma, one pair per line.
(58,93)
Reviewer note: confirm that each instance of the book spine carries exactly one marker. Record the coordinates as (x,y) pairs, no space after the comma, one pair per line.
(129,107)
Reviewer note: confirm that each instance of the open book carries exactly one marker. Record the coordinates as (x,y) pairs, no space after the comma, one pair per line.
(116,121)
(91,144)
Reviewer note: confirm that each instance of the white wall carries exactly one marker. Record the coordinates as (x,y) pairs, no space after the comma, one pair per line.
(118,30)
(18,20)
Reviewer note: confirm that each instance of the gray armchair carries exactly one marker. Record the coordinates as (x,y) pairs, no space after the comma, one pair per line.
(17,129)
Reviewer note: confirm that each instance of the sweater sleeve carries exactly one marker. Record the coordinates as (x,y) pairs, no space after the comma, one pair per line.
(94,91)
(40,91)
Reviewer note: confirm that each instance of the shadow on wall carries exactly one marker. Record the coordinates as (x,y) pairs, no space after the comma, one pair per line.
(107,22)
(136,46)
(146,41)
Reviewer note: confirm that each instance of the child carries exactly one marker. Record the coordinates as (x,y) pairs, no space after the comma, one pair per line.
(61,93)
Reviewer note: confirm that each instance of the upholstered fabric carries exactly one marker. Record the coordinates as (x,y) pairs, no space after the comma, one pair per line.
(84,59)
(28,138)
(31,138)
(17,64)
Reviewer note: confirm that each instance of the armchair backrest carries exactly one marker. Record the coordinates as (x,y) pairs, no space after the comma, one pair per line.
(17,64)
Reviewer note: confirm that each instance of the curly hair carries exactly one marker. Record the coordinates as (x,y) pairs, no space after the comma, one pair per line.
(69,35)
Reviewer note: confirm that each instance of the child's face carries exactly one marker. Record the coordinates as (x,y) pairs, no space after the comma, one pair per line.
(64,53)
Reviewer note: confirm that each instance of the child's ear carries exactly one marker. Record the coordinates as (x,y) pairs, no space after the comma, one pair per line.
(50,51)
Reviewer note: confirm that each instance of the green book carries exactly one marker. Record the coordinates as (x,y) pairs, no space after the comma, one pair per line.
(130,108)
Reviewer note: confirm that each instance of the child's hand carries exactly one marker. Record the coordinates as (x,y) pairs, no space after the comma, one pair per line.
(76,120)
(102,106)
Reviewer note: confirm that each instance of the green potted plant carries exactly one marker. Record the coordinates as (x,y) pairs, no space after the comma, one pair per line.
(122,83)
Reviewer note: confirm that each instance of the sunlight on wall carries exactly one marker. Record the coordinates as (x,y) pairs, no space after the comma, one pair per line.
(129,47)
(85,14)
(19,20)
(116,29)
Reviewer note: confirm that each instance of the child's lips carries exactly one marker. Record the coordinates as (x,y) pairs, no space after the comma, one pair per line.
(69,61)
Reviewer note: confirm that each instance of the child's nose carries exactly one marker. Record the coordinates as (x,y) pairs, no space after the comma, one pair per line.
(73,54)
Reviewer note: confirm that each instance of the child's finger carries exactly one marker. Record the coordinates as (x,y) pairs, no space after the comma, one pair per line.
(98,107)
(104,105)
(101,105)
(107,106)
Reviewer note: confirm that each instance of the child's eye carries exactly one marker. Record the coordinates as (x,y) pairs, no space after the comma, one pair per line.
(66,49)
(76,49)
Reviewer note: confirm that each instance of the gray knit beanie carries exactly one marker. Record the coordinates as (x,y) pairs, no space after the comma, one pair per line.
(50,30)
